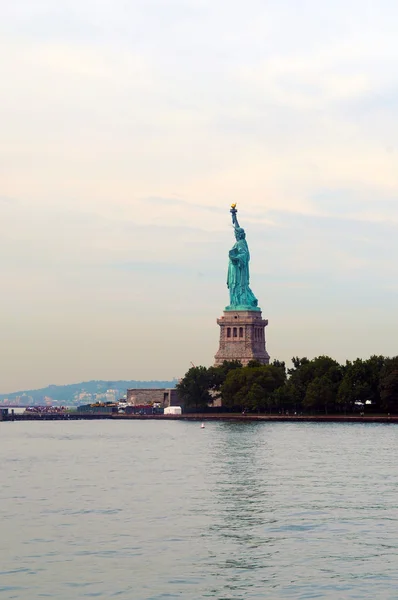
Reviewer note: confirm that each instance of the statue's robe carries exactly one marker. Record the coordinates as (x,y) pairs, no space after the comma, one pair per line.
(238,278)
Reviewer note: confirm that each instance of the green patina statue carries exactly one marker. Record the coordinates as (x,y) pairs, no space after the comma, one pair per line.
(240,295)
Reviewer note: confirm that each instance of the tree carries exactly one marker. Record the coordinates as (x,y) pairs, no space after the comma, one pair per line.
(280,364)
(297,363)
(232,390)
(254,363)
(305,372)
(355,385)
(299,377)
(281,399)
(194,387)
(320,393)
(376,365)
(389,385)
(255,399)
(217,375)
(361,382)
(317,384)
(251,387)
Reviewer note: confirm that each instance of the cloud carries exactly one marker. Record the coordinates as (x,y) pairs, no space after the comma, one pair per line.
(130,128)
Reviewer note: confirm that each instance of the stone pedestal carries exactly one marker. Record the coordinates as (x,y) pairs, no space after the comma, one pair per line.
(242,337)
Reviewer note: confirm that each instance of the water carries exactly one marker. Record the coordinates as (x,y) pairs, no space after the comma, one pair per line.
(155,511)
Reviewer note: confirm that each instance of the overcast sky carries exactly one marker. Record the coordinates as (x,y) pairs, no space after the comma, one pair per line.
(127,128)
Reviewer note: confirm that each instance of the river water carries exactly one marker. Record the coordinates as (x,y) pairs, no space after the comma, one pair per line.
(148,510)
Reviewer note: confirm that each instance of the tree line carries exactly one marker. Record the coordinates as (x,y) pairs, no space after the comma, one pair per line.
(319,385)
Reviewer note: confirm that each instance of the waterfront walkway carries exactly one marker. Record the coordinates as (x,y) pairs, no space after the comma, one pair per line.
(202,417)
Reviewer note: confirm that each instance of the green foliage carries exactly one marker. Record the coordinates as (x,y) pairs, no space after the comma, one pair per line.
(389,385)
(310,378)
(320,393)
(218,375)
(354,386)
(194,388)
(317,385)
(232,390)
(251,388)
(361,382)
(282,399)
(280,364)
(254,363)
(376,365)
(297,363)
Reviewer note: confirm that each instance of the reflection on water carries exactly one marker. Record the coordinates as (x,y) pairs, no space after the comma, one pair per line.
(152,510)
(242,493)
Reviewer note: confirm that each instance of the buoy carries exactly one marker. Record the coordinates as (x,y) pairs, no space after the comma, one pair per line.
(202,426)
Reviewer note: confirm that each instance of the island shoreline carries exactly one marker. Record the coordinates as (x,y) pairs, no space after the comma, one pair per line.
(205,417)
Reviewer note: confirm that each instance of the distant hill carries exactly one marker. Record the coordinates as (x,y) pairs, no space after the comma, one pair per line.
(80,393)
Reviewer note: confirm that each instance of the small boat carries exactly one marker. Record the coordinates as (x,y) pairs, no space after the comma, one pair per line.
(202,426)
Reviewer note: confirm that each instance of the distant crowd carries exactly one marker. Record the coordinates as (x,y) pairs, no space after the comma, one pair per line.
(46,409)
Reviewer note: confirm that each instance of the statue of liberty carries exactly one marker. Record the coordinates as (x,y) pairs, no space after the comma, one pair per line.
(240,295)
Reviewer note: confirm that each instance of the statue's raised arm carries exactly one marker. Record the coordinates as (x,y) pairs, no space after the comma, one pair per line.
(234,212)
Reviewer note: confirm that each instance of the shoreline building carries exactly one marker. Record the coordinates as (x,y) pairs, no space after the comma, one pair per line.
(242,328)
(143,396)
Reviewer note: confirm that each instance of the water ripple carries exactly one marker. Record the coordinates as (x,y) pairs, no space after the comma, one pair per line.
(156,511)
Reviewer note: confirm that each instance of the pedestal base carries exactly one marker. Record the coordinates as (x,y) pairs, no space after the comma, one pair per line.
(242,337)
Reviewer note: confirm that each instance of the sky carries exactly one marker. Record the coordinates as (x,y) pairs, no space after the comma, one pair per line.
(128,129)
